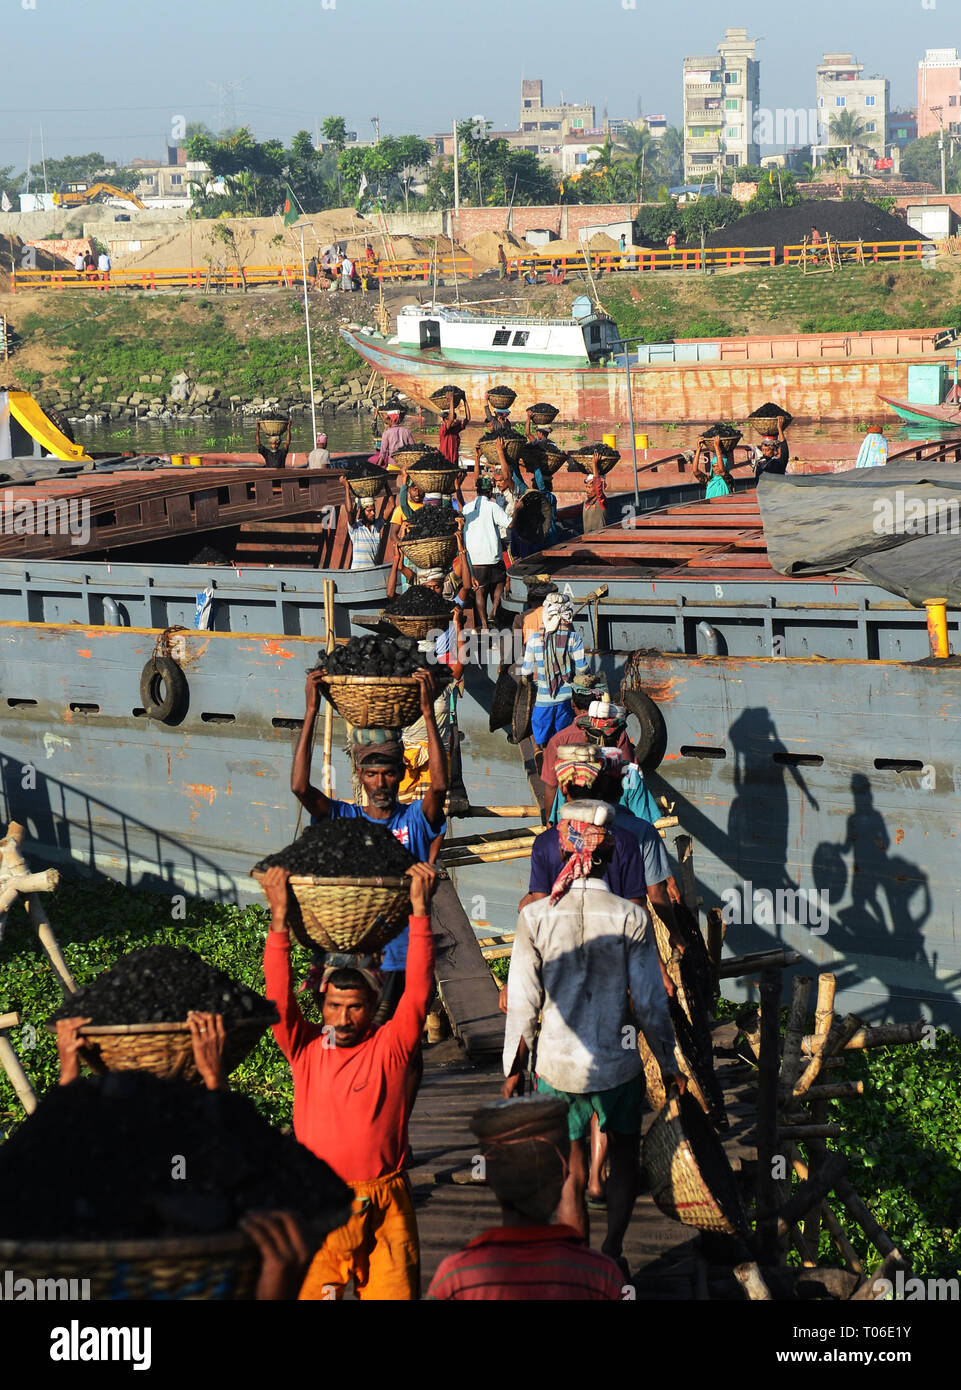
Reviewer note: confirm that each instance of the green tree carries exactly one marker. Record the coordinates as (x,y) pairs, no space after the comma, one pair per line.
(335,132)
(847,129)
(640,156)
(670,154)
(921,162)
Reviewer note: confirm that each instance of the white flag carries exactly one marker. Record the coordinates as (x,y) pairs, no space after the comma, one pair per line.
(5,203)
(363,185)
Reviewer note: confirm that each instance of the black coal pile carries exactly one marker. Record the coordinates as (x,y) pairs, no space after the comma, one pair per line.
(360,470)
(94,1163)
(443,392)
(161,984)
(207,555)
(842,221)
(372,656)
(342,848)
(505,432)
(418,602)
(603,451)
(429,523)
(432,459)
(767,411)
(720,431)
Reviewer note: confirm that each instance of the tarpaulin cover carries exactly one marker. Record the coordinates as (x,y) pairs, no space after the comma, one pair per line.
(898,526)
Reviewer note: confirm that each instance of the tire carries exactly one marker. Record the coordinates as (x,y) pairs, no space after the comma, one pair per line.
(650,743)
(163,690)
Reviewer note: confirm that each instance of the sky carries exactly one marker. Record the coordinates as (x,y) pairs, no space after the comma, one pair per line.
(101,76)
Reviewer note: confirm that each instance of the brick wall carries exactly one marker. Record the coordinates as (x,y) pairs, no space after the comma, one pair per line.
(565,220)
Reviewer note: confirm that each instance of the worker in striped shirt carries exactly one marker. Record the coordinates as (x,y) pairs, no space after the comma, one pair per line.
(553,656)
(365,530)
(525,1149)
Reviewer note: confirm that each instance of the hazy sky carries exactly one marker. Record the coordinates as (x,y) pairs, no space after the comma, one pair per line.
(97,76)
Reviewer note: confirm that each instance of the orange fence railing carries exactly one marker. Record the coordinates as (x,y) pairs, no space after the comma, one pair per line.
(868,252)
(229,277)
(610,262)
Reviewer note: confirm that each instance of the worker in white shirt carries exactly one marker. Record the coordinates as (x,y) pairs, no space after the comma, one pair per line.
(485,526)
(346,274)
(584,962)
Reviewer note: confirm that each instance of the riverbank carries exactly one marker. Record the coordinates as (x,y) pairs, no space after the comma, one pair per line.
(128,356)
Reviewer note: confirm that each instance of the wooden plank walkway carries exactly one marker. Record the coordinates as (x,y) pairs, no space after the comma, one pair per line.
(464,980)
(665,1258)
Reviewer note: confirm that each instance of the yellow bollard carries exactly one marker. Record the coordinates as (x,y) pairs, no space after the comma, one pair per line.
(938,626)
(195,460)
(177,460)
(640,441)
(611,441)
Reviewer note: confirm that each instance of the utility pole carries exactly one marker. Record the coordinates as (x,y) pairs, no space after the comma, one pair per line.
(375,122)
(937,111)
(456,172)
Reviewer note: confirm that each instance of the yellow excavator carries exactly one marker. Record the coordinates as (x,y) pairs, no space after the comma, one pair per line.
(79,193)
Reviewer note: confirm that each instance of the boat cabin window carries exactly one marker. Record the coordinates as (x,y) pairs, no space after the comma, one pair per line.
(502,337)
(520,339)
(429,333)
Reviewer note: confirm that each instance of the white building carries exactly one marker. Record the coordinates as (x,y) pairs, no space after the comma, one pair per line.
(841,87)
(721,93)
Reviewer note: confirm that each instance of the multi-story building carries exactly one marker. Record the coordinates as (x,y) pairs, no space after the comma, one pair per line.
(721,95)
(939,91)
(841,87)
(551,123)
(169,185)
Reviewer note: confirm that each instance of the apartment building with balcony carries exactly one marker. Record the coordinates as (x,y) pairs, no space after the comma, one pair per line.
(841,86)
(721,93)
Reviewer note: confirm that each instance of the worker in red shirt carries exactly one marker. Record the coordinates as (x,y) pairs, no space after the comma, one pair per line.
(526,1149)
(350,1098)
(450,429)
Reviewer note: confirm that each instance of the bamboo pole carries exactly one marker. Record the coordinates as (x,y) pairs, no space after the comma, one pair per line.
(18,1077)
(752,1282)
(806,1131)
(715,943)
(797,1015)
(684,851)
(823,1022)
(837,1090)
(766,1219)
(328,707)
(834,1043)
(867,1292)
(9,1021)
(757,960)
(837,1232)
(811,1193)
(884,1035)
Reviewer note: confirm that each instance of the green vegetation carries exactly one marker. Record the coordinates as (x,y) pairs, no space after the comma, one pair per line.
(903,1135)
(245,346)
(782,300)
(95,924)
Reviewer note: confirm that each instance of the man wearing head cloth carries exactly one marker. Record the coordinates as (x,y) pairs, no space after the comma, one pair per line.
(586,689)
(395,436)
(772,456)
(378,756)
(584,968)
(526,1150)
(553,657)
(365,530)
(352,1096)
(319,457)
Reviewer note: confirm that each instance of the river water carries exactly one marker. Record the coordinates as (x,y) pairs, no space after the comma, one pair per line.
(353,433)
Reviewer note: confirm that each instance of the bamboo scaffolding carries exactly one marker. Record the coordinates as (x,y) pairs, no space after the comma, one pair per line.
(883,1035)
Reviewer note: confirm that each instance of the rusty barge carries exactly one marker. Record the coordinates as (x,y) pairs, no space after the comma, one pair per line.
(802,742)
(580,363)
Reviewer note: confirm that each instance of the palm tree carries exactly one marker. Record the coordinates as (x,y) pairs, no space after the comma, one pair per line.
(603,165)
(670,154)
(638,143)
(847,129)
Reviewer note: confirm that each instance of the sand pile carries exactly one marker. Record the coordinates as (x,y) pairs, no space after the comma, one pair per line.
(483,247)
(260,240)
(11,249)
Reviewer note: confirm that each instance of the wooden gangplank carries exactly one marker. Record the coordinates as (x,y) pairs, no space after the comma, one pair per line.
(464,981)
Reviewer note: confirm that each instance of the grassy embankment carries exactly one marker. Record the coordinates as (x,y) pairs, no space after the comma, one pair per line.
(903,1137)
(247,345)
(776,300)
(250,345)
